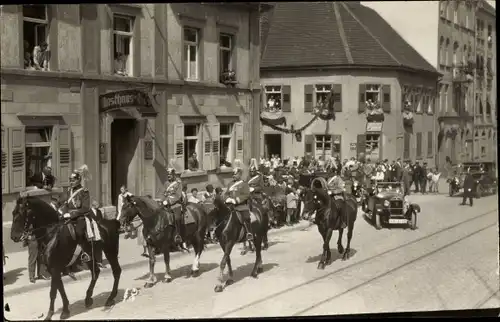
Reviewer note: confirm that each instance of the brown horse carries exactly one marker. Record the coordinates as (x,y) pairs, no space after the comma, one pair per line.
(59,239)
(229,231)
(268,210)
(327,218)
(160,235)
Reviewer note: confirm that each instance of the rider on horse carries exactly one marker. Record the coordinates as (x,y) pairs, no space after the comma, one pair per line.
(256,181)
(238,193)
(78,211)
(173,203)
(336,189)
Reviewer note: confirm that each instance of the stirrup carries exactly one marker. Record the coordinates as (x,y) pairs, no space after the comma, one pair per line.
(85,258)
(249,237)
(178,239)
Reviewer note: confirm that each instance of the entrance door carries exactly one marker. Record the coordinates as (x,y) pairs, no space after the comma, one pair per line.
(272,145)
(124,139)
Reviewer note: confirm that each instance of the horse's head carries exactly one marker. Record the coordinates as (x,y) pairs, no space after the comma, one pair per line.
(133,206)
(31,211)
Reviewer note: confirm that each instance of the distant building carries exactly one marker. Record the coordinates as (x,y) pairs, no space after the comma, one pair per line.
(459,39)
(310,49)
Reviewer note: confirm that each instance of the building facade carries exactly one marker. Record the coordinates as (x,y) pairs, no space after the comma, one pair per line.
(125,89)
(463,49)
(360,59)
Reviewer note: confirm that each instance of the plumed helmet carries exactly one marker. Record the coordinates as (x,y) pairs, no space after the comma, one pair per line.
(173,167)
(237,167)
(253,164)
(81,174)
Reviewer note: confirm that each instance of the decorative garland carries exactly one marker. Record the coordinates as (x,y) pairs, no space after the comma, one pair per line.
(291,130)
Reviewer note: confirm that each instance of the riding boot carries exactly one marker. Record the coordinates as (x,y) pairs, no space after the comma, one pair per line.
(248,228)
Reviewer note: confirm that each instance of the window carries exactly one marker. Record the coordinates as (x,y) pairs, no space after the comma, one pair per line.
(468,11)
(455,14)
(406,146)
(447,57)
(430,147)
(442,9)
(226,51)
(274,98)
(483,150)
(372,92)
(322,92)
(455,54)
(419,145)
(226,148)
(38,150)
(373,146)
(191,47)
(490,35)
(123,27)
(445,98)
(464,56)
(420,101)
(191,139)
(323,145)
(36,37)
(429,104)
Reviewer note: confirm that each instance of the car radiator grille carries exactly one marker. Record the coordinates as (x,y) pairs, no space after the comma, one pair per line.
(396,207)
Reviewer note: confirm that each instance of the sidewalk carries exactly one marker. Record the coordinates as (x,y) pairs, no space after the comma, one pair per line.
(16,272)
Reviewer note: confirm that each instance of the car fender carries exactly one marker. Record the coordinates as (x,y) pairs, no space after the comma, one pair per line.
(415,207)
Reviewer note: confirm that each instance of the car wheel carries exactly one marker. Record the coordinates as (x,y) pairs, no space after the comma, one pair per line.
(479,192)
(451,191)
(413,220)
(377,221)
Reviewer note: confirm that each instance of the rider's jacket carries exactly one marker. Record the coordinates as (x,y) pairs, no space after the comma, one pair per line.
(239,191)
(173,191)
(78,202)
(256,183)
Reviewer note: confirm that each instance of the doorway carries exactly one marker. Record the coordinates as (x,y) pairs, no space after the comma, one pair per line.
(124,139)
(272,145)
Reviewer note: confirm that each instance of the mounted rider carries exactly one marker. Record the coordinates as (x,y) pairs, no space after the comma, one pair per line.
(238,194)
(77,210)
(173,202)
(256,181)
(336,188)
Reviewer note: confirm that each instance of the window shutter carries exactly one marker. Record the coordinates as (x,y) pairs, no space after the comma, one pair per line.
(386,98)
(207,147)
(361,144)
(429,144)
(5,161)
(286,105)
(419,144)
(215,145)
(201,56)
(308,98)
(362,98)
(337,97)
(61,154)
(309,144)
(17,164)
(238,132)
(179,145)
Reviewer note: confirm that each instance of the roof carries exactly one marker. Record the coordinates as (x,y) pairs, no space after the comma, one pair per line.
(329,34)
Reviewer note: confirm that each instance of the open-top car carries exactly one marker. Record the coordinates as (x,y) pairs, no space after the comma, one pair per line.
(387,206)
(485,176)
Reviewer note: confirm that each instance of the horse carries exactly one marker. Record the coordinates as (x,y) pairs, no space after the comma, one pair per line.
(267,209)
(229,231)
(327,220)
(154,218)
(59,239)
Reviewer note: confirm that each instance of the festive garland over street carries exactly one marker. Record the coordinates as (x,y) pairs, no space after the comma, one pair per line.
(292,130)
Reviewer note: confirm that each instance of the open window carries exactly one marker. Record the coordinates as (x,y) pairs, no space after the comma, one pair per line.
(123,27)
(36,36)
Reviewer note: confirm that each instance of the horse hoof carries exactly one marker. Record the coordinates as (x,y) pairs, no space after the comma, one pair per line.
(148,285)
(229,282)
(321,266)
(167,280)
(109,303)
(218,289)
(64,315)
(49,316)
(340,250)
(254,274)
(88,302)
(260,270)
(195,273)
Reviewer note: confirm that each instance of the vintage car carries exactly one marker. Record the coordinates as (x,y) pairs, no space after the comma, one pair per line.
(485,175)
(388,206)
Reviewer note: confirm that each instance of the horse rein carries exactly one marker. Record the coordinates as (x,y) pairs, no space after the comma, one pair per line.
(27,232)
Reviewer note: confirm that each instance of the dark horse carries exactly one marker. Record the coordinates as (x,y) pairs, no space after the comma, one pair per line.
(267,209)
(229,231)
(160,235)
(59,241)
(327,220)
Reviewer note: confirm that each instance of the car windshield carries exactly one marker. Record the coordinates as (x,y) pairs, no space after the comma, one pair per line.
(389,186)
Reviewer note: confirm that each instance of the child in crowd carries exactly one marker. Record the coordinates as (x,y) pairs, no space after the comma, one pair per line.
(291,205)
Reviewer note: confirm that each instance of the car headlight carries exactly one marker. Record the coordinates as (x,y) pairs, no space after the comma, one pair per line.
(386,203)
(355,184)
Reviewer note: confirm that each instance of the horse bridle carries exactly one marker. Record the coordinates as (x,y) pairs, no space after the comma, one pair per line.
(26,231)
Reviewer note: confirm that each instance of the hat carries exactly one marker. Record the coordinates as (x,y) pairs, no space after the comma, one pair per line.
(83,173)
(253,164)
(173,167)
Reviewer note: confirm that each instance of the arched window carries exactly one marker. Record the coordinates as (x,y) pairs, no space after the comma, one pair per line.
(442,51)
(464,56)
(468,11)
(442,8)
(447,58)
(455,54)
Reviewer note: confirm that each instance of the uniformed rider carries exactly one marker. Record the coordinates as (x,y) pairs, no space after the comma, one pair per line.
(238,194)
(256,181)
(173,203)
(77,207)
(336,188)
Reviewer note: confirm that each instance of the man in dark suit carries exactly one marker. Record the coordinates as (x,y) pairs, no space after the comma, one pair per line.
(406,178)
(193,164)
(398,170)
(469,188)
(417,172)
(423,178)
(44,179)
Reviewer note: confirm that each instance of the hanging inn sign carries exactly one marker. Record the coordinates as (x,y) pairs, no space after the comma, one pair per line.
(129,98)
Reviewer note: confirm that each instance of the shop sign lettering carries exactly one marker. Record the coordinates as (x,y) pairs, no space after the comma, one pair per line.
(122,99)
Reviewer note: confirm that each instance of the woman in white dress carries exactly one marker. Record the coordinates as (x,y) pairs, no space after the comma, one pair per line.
(123,193)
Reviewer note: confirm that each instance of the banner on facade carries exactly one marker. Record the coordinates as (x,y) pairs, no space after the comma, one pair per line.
(374,127)
(127,98)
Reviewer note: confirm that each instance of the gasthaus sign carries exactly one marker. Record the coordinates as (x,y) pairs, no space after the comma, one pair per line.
(123,99)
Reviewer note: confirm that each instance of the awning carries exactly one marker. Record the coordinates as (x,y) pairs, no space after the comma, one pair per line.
(374,127)
(136,98)
(273,118)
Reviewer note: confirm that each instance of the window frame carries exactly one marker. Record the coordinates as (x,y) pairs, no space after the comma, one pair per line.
(272,91)
(326,138)
(118,33)
(370,140)
(189,44)
(45,22)
(371,91)
(324,91)
(230,155)
(229,49)
(198,147)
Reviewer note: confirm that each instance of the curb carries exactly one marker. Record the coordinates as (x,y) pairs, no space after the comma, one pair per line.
(86,273)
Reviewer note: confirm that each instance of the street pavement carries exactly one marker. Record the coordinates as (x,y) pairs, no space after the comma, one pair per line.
(450,262)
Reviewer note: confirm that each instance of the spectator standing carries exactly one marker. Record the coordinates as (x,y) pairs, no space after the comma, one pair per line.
(44,179)
(193,164)
(416,176)
(423,178)
(121,197)
(291,206)
(35,259)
